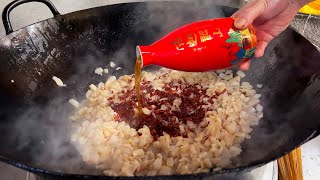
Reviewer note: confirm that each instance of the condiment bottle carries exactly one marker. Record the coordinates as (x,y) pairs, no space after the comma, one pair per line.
(201,46)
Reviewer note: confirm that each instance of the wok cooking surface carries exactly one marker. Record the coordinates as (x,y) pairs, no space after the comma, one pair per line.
(34,111)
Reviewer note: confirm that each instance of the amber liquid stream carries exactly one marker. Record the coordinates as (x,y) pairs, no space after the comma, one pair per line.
(137,75)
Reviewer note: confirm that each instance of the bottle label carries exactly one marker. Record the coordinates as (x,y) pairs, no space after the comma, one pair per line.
(245,41)
(202,46)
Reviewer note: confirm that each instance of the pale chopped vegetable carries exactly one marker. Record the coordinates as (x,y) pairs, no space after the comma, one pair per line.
(222,112)
(93,87)
(58,81)
(112,64)
(99,71)
(146,111)
(74,102)
(241,74)
(259,86)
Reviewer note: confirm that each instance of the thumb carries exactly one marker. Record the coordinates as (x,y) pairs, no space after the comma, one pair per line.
(247,14)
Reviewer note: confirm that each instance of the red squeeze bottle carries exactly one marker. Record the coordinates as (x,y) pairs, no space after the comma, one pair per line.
(201,46)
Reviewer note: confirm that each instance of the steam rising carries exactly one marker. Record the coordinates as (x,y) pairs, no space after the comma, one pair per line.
(43,130)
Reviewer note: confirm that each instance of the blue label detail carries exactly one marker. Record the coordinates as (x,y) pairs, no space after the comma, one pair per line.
(243,54)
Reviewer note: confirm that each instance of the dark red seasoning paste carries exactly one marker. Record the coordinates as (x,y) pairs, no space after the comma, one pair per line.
(160,121)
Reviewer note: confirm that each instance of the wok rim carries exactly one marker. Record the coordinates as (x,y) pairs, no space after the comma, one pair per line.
(315,133)
(221,172)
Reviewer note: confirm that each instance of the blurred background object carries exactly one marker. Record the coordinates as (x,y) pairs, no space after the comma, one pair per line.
(311,8)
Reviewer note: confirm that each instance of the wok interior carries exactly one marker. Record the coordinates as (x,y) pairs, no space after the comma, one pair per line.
(34,112)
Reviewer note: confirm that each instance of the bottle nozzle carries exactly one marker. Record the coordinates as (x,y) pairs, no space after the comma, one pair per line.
(145,55)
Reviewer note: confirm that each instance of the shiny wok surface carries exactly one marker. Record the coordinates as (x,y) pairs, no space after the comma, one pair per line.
(34,112)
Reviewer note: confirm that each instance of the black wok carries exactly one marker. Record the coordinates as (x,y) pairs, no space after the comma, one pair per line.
(34,124)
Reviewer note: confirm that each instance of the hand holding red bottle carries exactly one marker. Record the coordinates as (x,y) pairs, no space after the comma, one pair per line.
(269,17)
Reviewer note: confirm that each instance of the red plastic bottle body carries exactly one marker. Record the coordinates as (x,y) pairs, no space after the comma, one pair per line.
(201,46)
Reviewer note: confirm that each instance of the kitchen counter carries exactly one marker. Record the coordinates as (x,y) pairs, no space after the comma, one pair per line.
(309,26)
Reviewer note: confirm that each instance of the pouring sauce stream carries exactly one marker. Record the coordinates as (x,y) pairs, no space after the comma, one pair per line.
(137,75)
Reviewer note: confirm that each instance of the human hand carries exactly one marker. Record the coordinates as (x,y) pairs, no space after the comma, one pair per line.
(269,17)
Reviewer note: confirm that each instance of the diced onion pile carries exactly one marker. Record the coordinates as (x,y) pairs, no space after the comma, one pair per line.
(108,134)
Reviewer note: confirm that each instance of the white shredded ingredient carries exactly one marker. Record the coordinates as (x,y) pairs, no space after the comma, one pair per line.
(241,74)
(58,81)
(259,86)
(74,103)
(112,64)
(99,71)
(146,111)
